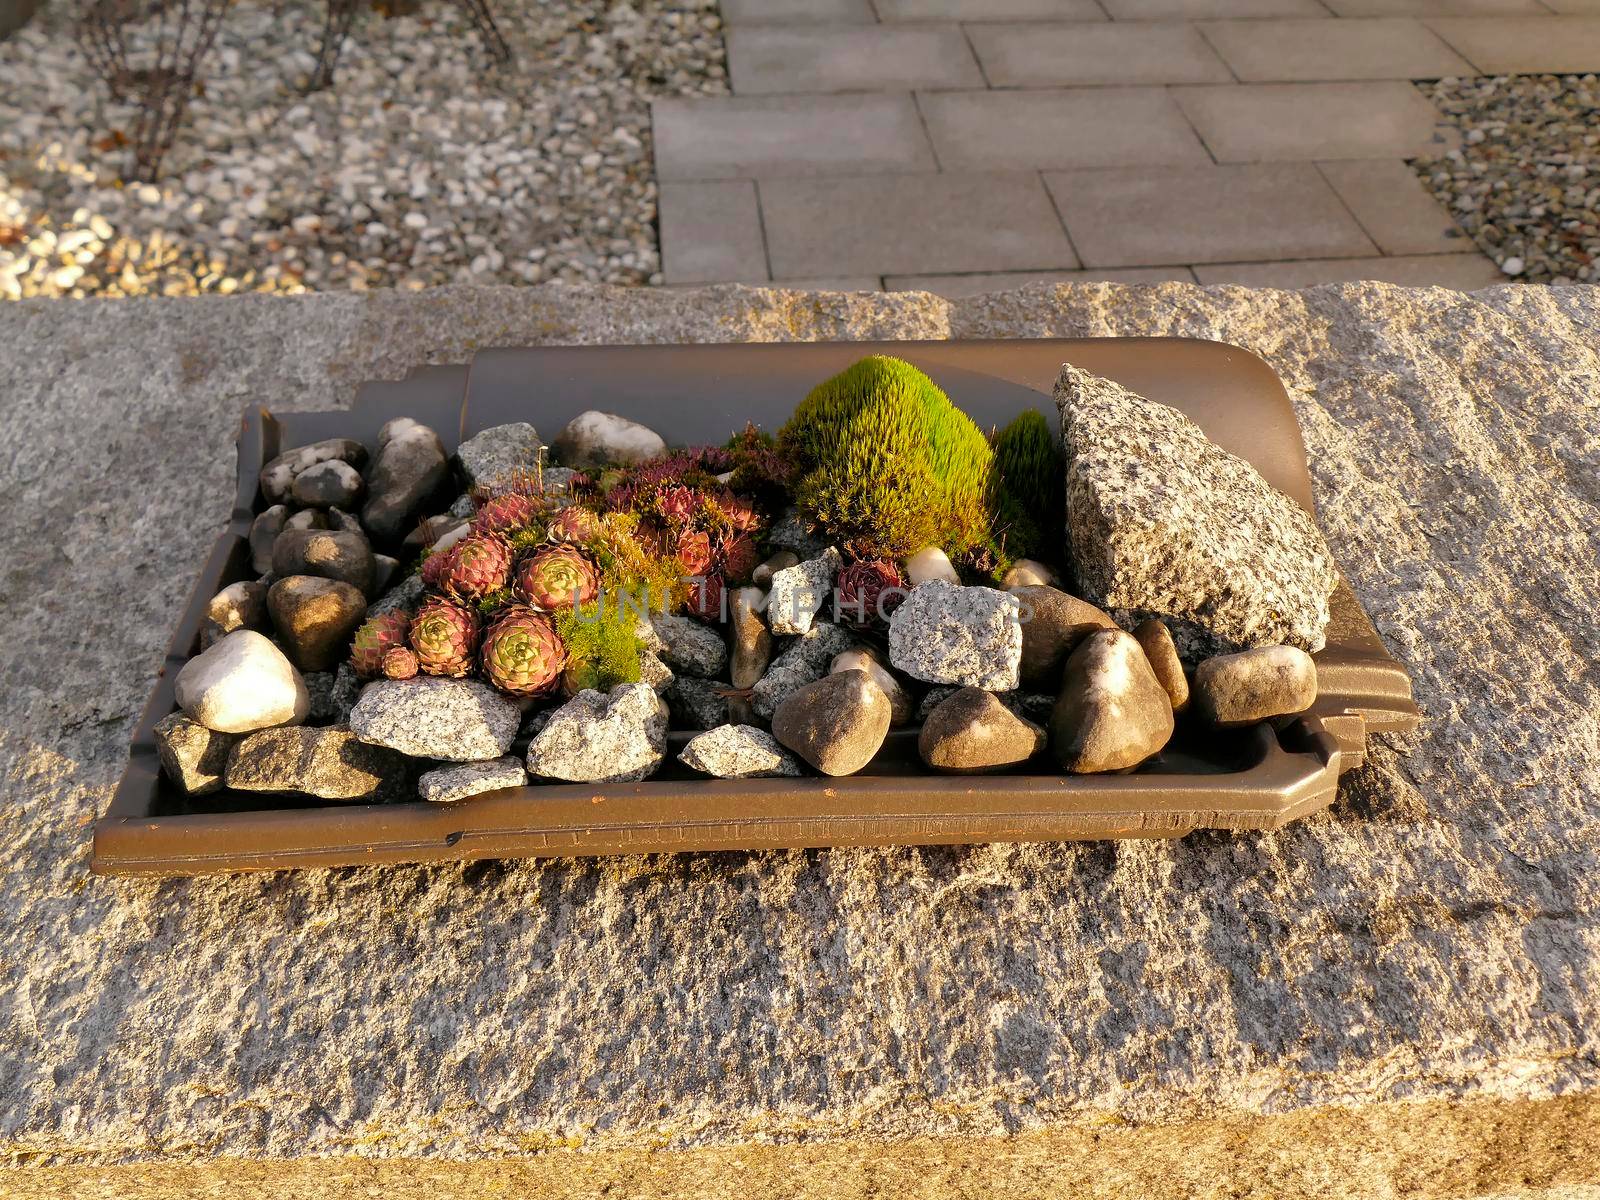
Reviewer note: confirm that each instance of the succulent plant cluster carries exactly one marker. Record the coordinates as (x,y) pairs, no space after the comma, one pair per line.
(540,592)
(684,509)
(868,591)
(520,598)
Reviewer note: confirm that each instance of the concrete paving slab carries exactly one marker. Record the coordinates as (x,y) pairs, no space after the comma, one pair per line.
(1080,53)
(956,287)
(1164,217)
(720,137)
(1398,213)
(849,58)
(797,12)
(847,283)
(1194,10)
(1466,272)
(711,233)
(1345,48)
(989,10)
(1443,8)
(912,225)
(1066,128)
(1524,45)
(1304,122)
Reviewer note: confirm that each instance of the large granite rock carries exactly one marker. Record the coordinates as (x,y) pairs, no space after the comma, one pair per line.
(1430,939)
(1162,522)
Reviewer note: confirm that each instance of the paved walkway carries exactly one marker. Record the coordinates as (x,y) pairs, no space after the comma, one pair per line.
(968,145)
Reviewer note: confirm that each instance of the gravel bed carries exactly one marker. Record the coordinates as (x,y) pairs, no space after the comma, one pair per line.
(1525,183)
(423,165)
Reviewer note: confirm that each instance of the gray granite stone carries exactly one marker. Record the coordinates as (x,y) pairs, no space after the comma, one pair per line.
(619,737)
(798,592)
(404,597)
(329,763)
(696,703)
(471,779)
(458,720)
(945,633)
(690,647)
(499,455)
(804,660)
(192,756)
(1162,522)
(1428,938)
(738,752)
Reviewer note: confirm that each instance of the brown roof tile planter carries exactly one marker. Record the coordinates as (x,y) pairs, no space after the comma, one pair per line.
(1257,778)
(1399,991)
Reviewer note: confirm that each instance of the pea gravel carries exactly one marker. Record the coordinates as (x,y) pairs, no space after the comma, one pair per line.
(423,165)
(1525,182)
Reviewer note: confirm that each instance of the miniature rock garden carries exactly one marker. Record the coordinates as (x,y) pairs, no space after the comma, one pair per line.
(1017,600)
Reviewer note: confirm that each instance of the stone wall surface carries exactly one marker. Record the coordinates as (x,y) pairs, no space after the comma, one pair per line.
(1434,935)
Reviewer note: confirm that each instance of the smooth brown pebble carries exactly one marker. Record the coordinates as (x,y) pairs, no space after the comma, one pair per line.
(1112,712)
(1053,624)
(1255,685)
(315,619)
(1159,649)
(836,724)
(972,731)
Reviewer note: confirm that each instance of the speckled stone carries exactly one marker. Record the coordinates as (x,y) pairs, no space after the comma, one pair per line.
(458,720)
(193,756)
(330,763)
(690,647)
(971,636)
(404,596)
(738,752)
(333,694)
(498,454)
(790,533)
(1162,522)
(697,703)
(471,779)
(804,660)
(799,592)
(620,737)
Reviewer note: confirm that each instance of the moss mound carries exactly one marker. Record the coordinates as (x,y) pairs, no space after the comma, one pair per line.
(1030,501)
(888,464)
